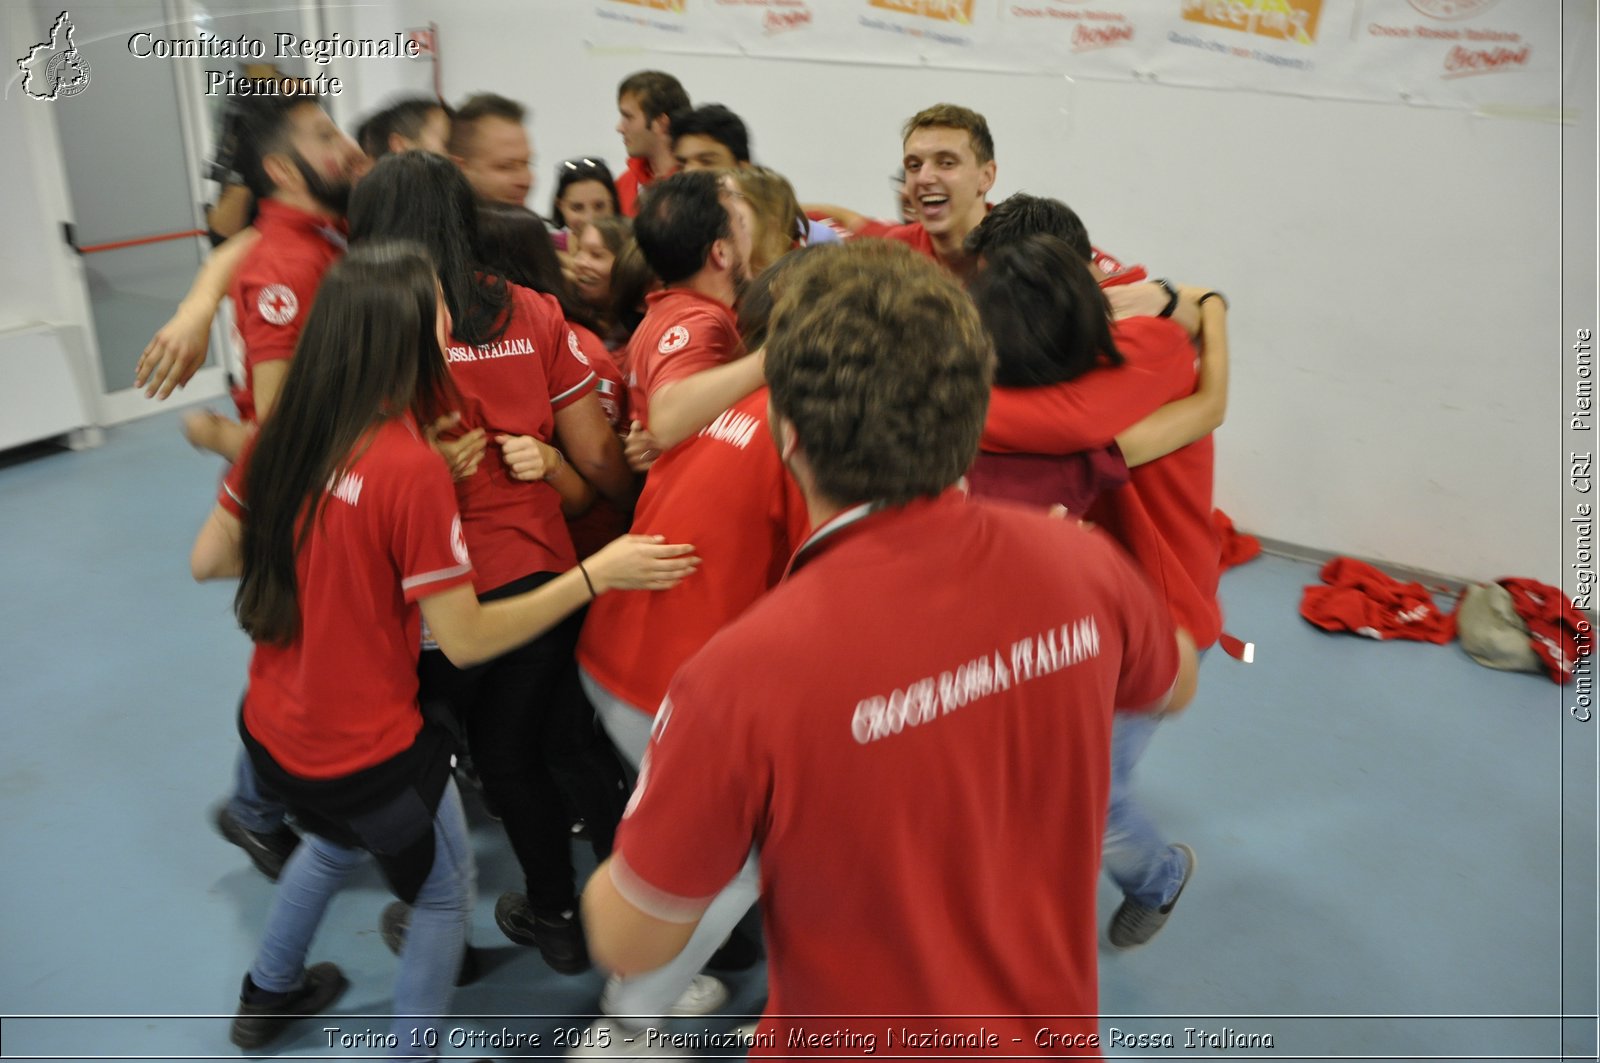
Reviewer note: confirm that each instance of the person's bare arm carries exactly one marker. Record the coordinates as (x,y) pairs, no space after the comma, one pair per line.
(231,213)
(529,459)
(470,632)
(266,380)
(209,430)
(681,408)
(594,450)
(217,549)
(178,349)
(1181,422)
(850,219)
(1150,298)
(623,939)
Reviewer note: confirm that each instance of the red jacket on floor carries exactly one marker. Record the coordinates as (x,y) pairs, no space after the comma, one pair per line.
(1360,599)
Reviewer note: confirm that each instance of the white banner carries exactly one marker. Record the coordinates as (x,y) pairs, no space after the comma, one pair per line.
(1482,54)
(691,26)
(1461,53)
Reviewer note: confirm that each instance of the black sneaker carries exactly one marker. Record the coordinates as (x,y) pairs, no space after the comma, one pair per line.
(268,851)
(257,1024)
(1134,923)
(396,920)
(558,937)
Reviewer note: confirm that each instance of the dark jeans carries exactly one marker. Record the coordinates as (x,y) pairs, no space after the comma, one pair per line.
(539,751)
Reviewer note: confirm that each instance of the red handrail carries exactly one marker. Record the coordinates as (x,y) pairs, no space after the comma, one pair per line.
(117,245)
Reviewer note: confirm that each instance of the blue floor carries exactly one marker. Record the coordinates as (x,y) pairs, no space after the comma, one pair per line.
(1379,826)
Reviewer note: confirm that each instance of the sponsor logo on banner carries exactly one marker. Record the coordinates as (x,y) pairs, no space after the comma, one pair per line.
(1288,20)
(778,16)
(675,6)
(1462,62)
(958,11)
(1093,28)
(781,21)
(1452,9)
(1473,50)
(1087,37)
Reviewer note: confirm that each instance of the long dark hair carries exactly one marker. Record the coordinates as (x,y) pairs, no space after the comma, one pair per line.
(514,243)
(423,197)
(368,353)
(1049,320)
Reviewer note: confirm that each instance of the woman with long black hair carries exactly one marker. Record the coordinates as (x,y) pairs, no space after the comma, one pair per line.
(342,524)
(520,372)
(514,243)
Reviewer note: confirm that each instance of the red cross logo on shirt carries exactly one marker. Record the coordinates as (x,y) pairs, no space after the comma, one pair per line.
(277,304)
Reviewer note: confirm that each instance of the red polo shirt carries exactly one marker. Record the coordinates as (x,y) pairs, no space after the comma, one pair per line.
(726,491)
(604,521)
(639,176)
(930,682)
(515,386)
(273,289)
(682,333)
(1163,517)
(914,236)
(343,695)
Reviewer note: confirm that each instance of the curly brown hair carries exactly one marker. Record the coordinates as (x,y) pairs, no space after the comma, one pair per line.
(878,360)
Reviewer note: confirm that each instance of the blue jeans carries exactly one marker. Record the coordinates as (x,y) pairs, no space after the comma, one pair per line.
(250,806)
(434,944)
(649,995)
(1135,853)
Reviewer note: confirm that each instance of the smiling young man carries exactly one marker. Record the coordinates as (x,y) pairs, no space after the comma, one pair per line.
(950,168)
(645,100)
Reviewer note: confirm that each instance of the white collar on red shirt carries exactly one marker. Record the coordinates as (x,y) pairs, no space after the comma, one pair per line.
(828,529)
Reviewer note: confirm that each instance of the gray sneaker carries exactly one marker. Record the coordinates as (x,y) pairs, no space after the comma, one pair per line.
(1134,923)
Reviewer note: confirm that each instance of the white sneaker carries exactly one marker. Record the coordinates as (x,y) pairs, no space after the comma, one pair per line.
(610,1039)
(704,995)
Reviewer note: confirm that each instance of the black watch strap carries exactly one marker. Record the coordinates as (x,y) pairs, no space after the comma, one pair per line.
(1172,297)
